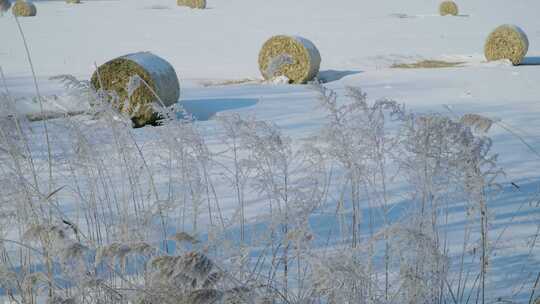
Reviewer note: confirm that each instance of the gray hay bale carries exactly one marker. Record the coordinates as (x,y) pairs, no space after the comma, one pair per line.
(160,76)
(199,4)
(448,8)
(291,56)
(73,1)
(507,42)
(23,8)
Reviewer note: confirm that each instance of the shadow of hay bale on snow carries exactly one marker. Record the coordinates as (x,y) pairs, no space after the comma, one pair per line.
(291,56)
(159,85)
(206,109)
(334,75)
(530,61)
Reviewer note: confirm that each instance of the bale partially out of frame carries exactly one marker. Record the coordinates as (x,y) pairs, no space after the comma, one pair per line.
(160,85)
(507,42)
(23,8)
(73,1)
(200,4)
(5,5)
(291,56)
(448,8)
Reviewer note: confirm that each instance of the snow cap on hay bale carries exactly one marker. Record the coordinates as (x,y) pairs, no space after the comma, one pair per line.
(291,56)
(160,76)
(23,8)
(5,5)
(448,8)
(507,42)
(192,3)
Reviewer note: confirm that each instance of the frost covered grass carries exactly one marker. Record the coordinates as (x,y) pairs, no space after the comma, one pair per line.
(5,5)
(104,219)
(377,204)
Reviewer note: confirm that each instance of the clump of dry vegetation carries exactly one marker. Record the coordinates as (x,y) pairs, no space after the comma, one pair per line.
(198,4)
(427,64)
(229,82)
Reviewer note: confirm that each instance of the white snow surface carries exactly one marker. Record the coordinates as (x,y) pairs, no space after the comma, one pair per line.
(358,42)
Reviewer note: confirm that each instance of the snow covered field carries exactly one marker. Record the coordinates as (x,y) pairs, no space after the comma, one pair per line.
(359,41)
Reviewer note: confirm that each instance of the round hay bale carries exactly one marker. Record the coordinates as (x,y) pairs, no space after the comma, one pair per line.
(115,75)
(448,8)
(291,56)
(200,4)
(507,42)
(23,8)
(5,5)
(73,1)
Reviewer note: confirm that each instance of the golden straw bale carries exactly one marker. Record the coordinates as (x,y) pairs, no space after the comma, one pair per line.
(506,42)
(291,56)
(23,8)
(448,8)
(159,78)
(200,4)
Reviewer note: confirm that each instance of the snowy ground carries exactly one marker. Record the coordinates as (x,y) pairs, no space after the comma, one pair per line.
(358,41)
